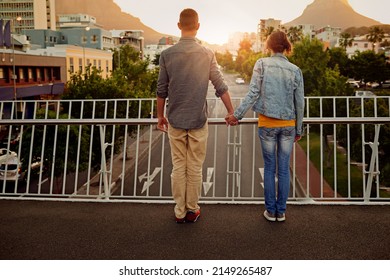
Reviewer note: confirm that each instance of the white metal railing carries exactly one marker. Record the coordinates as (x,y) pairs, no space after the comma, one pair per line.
(110,150)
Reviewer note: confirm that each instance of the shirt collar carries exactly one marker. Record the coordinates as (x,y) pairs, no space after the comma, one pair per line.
(188,39)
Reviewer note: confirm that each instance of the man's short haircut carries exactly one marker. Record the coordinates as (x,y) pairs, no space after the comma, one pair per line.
(189,19)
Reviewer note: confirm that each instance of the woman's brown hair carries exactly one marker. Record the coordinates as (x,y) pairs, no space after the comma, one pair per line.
(278,42)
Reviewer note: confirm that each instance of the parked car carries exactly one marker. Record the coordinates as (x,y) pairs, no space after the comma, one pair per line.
(10,170)
(364,93)
(373,85)
(354,84)
(240,81)
(5,154)
(386,84)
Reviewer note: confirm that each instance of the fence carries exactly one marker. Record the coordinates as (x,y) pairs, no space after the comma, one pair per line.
(110,150)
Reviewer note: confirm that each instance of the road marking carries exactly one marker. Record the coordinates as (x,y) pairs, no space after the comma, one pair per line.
(262,177)
(149,179)
(207,185)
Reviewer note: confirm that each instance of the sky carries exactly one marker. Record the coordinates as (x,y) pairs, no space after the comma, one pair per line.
(219,18)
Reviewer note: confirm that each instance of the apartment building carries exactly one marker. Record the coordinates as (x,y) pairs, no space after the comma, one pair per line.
(29,14)
(328,35)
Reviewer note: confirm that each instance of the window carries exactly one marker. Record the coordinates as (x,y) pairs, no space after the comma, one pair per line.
(71,65)
(80,64)
(1,73)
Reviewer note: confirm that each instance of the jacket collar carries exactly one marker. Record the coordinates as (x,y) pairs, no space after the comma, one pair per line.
(280,55)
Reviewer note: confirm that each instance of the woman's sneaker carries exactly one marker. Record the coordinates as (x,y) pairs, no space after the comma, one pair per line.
(280,217)
(270,217)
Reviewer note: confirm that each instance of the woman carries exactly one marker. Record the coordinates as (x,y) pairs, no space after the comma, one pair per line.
(276,93)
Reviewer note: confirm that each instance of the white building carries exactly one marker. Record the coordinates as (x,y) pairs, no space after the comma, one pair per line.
(307,30)
(76,20)
(329,35)
(361,44)
(151,51)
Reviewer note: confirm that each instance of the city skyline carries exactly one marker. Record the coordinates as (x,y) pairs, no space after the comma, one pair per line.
(218,20)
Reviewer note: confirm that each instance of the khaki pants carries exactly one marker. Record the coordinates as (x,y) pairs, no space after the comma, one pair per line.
(188,150)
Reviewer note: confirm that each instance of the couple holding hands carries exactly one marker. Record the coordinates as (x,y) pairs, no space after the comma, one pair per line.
(276,94)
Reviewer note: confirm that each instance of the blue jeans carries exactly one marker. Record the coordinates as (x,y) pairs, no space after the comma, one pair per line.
(276,146)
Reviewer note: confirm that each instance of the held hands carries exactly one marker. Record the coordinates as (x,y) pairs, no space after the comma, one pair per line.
(231,120)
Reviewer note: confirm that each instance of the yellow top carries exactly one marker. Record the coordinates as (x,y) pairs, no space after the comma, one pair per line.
(265,121)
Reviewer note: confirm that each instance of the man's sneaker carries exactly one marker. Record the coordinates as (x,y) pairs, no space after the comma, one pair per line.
(192,216)
(180,220)
(280,217)
(270,217)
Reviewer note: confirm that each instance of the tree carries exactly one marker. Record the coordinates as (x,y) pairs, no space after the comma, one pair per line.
(225,60)
(295,34)
(370,67)
(266,32)
(243,53)
(339,58)
(375,34)
(131,80)
(310,56)
(56,143)
(345,40)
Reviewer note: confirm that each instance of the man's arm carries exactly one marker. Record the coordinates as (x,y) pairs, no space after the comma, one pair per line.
(162,121)
(225,97)
(230,120)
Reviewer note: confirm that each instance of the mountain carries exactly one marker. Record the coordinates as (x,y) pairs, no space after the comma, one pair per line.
(336,13)
(109,15)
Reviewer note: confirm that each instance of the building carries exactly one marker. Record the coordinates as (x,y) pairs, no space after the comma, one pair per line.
(361,44)
(307,30)
(29,14)
(95,38)
(133,38)
(328,35)
(35,78)
(76,20)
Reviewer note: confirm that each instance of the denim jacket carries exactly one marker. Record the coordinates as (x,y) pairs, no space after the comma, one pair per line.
(276,91)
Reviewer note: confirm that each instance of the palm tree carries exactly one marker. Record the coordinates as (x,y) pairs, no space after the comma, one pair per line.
(376,34)
(345,40)
(266,32)
(295,34)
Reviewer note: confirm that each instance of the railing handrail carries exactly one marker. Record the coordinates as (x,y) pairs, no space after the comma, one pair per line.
(153,121)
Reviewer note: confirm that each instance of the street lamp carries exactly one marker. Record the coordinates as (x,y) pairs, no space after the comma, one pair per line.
(86,29)
(119,52)
(141,49)
(14,76)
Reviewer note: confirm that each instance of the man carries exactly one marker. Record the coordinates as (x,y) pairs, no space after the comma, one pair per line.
(185,71)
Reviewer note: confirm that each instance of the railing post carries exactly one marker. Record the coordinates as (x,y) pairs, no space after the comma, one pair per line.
(104,171)
(374,157)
